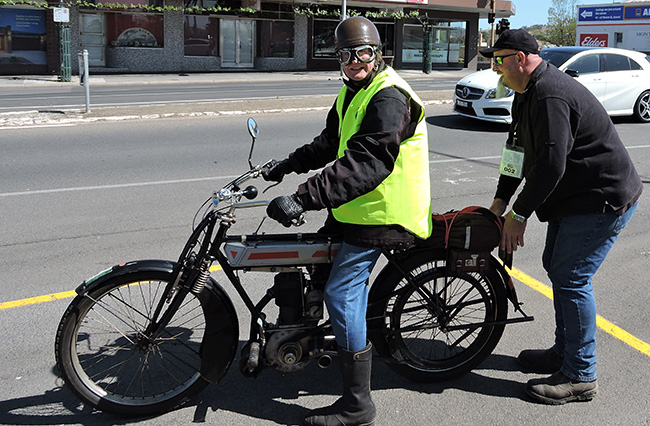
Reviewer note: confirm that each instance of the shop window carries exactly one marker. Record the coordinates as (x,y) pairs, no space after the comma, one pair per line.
(135,29)
(201,36)
(387,35)
(275,39)
(412,47)
(22,38)
(457,42)
(323,39)
(448,43)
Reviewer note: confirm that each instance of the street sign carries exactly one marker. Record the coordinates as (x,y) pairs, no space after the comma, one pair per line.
(61,14)
(600,13)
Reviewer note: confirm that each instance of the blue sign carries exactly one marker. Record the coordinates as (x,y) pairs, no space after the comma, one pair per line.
(23,20)
(600,13)
(637,12)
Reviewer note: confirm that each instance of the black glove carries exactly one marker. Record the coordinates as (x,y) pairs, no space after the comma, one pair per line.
(284,209)
(276,170)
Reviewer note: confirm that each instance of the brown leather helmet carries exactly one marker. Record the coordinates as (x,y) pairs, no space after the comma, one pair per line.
(356,31)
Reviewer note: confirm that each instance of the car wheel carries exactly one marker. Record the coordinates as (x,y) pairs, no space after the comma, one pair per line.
(642,107)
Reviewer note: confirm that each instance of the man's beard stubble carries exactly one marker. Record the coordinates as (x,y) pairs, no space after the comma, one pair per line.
(502,89)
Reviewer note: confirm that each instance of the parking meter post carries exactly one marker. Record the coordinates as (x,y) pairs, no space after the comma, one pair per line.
(83,76)
(80,61)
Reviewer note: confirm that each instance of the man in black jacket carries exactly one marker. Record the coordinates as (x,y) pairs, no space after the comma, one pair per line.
(375,183)
(580,179)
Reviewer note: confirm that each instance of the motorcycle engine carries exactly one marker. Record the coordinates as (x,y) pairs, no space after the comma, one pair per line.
(299,306)
(285,354)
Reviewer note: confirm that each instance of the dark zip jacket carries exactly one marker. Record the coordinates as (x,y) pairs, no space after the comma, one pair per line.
(574,160)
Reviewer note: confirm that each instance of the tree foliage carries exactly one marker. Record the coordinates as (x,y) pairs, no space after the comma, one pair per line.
(561,26)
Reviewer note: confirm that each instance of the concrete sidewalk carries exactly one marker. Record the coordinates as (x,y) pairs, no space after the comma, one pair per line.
(196,109)
(215,77)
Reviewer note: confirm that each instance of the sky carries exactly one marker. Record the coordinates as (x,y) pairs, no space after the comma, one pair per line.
(532,12)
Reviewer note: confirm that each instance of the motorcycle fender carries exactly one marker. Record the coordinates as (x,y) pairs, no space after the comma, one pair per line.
(123,269)
(221,335)
(506,279)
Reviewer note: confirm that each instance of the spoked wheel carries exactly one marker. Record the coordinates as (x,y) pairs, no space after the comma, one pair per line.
(440,328)
(108,361)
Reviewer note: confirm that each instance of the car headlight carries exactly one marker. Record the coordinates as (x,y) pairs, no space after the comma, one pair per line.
(492,93)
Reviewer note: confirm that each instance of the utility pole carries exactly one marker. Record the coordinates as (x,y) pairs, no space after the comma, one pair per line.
(62,19)
(491,18)
(427,43)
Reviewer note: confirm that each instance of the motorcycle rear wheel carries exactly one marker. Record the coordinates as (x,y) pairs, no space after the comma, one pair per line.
(441,342)
(105,359)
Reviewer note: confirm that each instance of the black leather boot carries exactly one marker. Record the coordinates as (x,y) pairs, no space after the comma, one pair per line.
(355,407)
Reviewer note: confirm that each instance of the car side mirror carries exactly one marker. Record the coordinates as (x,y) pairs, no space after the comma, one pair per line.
(572,73)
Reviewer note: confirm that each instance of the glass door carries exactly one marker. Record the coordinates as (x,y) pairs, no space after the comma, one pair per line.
(237,43)
(93,37)
(440,46)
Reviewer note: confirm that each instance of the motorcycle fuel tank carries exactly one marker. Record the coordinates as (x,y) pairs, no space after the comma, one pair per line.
(303,250)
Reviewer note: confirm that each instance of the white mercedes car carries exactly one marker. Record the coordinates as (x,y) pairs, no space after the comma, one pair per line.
(619,78)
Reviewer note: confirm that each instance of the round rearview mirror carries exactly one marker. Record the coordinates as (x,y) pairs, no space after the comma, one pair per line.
(252,128)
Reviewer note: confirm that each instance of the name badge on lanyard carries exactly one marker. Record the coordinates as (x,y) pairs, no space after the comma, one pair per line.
(512,159)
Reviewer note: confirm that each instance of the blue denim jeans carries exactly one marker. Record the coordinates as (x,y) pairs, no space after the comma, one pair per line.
(346,295)
(575,248)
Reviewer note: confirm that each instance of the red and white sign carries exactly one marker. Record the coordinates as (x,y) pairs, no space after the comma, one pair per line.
(594,40)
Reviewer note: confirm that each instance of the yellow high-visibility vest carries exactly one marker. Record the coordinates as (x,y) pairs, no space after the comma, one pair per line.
(403,198)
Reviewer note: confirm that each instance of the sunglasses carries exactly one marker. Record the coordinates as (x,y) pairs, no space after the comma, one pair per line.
(499,59)
(363,54)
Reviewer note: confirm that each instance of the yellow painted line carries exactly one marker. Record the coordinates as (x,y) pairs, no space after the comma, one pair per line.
(531,282)
(605,325)
(55,296)
(39,299)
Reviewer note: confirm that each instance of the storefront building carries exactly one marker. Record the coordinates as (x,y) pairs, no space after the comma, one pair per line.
(625,25)
(211,35)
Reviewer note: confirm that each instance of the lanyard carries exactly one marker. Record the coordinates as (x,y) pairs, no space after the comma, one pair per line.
(512,158)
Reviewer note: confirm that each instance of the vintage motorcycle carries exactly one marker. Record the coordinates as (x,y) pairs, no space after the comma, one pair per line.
(144,337)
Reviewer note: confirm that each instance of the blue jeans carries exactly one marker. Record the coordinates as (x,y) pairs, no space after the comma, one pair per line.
(346,295)
(575,248)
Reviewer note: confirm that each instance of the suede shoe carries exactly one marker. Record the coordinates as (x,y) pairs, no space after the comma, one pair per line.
(558,389)
(542,361)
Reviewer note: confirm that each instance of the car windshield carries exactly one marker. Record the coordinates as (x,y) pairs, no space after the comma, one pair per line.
(555,57)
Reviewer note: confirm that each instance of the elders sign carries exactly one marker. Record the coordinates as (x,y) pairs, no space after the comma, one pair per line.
(594,40)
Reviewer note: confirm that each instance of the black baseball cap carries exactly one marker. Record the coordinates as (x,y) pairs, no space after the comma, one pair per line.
(513,39)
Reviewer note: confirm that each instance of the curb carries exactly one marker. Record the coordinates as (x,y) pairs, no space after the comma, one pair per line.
(47,118)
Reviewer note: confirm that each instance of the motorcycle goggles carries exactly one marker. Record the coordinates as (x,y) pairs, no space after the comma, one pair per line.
(364,54)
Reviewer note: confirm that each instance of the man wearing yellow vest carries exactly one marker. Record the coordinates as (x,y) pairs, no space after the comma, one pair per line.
(376,189)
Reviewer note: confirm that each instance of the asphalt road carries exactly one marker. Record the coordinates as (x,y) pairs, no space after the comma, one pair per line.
(79,196)
(134,90)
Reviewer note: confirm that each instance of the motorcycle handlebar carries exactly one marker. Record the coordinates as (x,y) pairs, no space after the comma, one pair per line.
(227,194)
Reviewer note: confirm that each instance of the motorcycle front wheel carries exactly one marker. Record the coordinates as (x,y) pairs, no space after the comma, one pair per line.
(442,324)
(108,362)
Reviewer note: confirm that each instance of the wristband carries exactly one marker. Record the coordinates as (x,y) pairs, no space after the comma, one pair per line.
(517,217)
